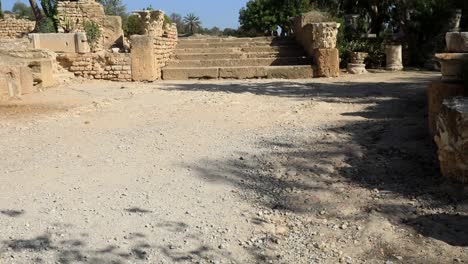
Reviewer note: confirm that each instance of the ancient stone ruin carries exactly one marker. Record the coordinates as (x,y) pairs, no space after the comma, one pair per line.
(448,108)
(158,53)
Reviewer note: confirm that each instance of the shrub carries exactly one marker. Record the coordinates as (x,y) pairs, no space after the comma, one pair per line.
(93,33)
(47,25)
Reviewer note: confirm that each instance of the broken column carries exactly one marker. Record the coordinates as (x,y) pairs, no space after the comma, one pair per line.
(325,54)
(394,52)
(452,139)
(357,65)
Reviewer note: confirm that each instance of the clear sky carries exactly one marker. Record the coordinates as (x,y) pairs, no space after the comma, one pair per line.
(220,13)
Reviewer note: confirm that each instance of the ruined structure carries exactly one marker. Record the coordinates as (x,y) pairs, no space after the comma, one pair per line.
(24,70)
(319,40)
(448,108)
(72,14)
(357,65)
(11,28)
(452,138)
(394,55)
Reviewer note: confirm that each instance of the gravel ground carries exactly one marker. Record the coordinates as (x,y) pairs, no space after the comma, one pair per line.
(266,171)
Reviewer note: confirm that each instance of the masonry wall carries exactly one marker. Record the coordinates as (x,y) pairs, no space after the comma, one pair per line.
(100,66)
(11,28)
(78,11)
(164,46)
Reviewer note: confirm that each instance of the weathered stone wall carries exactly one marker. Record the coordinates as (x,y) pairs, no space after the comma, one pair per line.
(15,28)
(24,70)
(101,66)
(159,39)
(452,138)
(165,45)
(76,12)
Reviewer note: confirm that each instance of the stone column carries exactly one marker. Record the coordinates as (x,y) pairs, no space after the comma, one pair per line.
(357,65)
(143,59)
(454,25)
(324,51)
(394,54)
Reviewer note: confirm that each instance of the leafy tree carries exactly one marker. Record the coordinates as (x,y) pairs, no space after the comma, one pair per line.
(132,26)
(176,18)
(192,23)
(50,9)
(23,11)
(269,15)
(114,7)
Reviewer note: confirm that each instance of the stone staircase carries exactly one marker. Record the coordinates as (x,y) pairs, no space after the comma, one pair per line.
(238,58)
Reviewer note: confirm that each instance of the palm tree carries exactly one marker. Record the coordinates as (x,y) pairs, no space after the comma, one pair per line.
(192,22)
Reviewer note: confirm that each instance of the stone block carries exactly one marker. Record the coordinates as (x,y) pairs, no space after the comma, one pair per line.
(327,62)
(356,68)
(452,139)
(439,91)
(26,81)
(242,72)
(143,62)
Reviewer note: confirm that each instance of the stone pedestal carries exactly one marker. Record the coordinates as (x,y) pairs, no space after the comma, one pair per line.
(328,62)
(452,139)
(452,65)
(394,54)
(356,68)
(438,92)
(454,25)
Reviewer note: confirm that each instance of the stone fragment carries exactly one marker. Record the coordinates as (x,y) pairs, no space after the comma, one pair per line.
(452,139)
(356,68)
(439,91)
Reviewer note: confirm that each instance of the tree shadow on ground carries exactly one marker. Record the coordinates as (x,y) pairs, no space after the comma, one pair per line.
(398,155)
(67,251)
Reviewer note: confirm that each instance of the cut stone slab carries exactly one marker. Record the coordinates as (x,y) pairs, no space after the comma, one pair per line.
(290,72)
(240,62)
(452,65)
(452,139)
(190,73)
(242,72)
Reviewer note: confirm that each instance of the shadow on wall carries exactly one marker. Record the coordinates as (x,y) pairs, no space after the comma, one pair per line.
(390,151)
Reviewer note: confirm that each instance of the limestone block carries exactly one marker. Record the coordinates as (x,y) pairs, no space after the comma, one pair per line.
(328,62)
(438,92)
(143,62)
(112,32)
(26,81)
(452,139)
(394,54)
(43,73)
(457,42)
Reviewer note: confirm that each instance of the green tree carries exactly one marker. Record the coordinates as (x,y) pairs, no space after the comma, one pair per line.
(22,10)
(192,23)
(50,9)
(176,18)
(269,15)
(114,7)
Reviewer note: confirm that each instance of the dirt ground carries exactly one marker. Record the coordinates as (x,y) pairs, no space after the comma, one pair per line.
(263,171)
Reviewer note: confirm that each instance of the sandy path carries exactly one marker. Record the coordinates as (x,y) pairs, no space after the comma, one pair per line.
(226,172)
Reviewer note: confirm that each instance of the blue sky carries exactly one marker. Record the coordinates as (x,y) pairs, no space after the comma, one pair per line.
(220,13)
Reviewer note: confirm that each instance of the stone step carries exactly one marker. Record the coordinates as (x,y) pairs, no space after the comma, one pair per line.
(269,72)
(196,45)
(280,49)
(245,55)
(241,62)
(233,40)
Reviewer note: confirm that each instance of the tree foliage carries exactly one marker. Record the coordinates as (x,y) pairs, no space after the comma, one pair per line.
(22,10)
(93,33)
(50,9)
(114,7)
(269,15)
